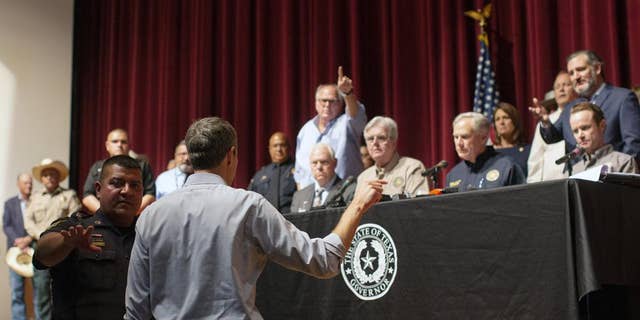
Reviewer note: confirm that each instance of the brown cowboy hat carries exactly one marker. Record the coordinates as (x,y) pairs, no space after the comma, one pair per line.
(51,164)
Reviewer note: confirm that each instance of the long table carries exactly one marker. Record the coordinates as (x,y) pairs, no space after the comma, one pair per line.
(565,249)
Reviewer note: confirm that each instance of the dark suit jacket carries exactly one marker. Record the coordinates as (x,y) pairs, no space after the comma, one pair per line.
(12,222)
(308,193)
(622,113)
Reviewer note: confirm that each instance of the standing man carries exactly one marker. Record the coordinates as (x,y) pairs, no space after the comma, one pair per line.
(481,166)
(589,126)
(541,162)
(403,174)
(275,181)
(620,106)
(88,255)
(334,125)
(117,144)
(46,206)
(198,253)
(326,189)
(174,178)
(13,226)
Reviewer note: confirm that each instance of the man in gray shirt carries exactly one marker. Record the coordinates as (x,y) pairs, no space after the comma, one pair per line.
(588,126)
(199,251)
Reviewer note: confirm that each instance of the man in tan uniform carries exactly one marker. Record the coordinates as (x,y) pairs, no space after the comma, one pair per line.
(46,206)
(403,174)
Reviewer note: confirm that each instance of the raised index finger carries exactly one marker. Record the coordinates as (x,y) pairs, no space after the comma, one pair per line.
(340,73)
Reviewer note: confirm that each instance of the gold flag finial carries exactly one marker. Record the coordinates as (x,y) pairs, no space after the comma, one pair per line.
(482,16)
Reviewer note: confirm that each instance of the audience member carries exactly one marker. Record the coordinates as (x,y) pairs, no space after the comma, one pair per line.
(403,174)
(327,184)
(335,125)
(510,138)
(275,181)
(199,253)
(117,144)
(47,205)
(481,166)
(366,157)
(589,126)
(17,236)
(620,106)
(173,179)
(541,162)
(88,255)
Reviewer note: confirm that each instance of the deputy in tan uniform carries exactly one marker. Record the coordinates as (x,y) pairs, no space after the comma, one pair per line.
(403,174)
(47,205)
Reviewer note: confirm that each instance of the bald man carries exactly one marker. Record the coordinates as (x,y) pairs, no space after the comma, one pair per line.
(117,144)
(275,180)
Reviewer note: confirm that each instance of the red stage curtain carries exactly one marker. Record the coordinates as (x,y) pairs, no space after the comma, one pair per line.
(152,67)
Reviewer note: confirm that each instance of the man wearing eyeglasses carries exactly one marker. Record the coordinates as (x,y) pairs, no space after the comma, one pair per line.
(336,125)
(403,174)
(326,189)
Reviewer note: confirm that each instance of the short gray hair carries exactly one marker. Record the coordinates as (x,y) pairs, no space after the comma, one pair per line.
(592,57)
(388,123)
(208,140)
(480,123)
(330,85)
(325,146)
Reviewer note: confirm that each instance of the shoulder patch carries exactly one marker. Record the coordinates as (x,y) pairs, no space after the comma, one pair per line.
(492,175)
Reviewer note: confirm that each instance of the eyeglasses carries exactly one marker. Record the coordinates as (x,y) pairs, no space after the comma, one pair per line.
(372,139)
(329,101)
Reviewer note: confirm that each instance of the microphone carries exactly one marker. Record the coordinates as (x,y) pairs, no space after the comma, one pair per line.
(433,170)
(571,155)
(347,182)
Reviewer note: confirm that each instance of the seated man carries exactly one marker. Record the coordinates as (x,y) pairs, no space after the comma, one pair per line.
(589,126)
(275,181)
(482,167)
(174,178)
(403,174)
(327,189)
(117,144)
(89,255)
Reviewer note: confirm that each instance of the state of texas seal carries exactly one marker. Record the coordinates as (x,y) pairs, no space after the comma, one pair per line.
(370,265)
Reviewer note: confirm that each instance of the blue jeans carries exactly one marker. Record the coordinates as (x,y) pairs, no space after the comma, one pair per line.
(42,294)
(18,310)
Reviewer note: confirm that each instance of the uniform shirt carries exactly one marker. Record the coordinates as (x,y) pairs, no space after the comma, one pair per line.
(90,285)
(616,161)
(94,176)
(519,153)
(343,134)
(275,182)
(491,170)
(46,208)
(541,163)
(403,176)
(169,181)
(200,250)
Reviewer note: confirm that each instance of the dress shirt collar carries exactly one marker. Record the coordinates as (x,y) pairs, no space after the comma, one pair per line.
(595,95)
(601,152)
(204,178)
(329,184)
(392,163)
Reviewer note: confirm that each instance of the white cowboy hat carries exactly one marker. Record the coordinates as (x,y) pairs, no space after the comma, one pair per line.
(53,164)
(20,261)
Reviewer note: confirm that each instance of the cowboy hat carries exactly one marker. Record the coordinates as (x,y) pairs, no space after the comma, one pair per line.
(20,261)
(50,164)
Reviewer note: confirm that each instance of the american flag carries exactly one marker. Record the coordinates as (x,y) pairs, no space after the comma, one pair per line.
(486,96)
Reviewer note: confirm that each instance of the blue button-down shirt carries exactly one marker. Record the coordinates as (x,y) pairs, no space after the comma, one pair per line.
(343,134)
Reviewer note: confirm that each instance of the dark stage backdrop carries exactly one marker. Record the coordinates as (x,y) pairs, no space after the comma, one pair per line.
(152,67)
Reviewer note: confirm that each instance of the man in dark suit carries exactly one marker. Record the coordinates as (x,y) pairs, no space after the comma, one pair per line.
(327,189)
(13,226)
(620,106)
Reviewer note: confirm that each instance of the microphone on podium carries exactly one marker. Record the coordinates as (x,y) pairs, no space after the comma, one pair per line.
(571,155)
(435,169)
